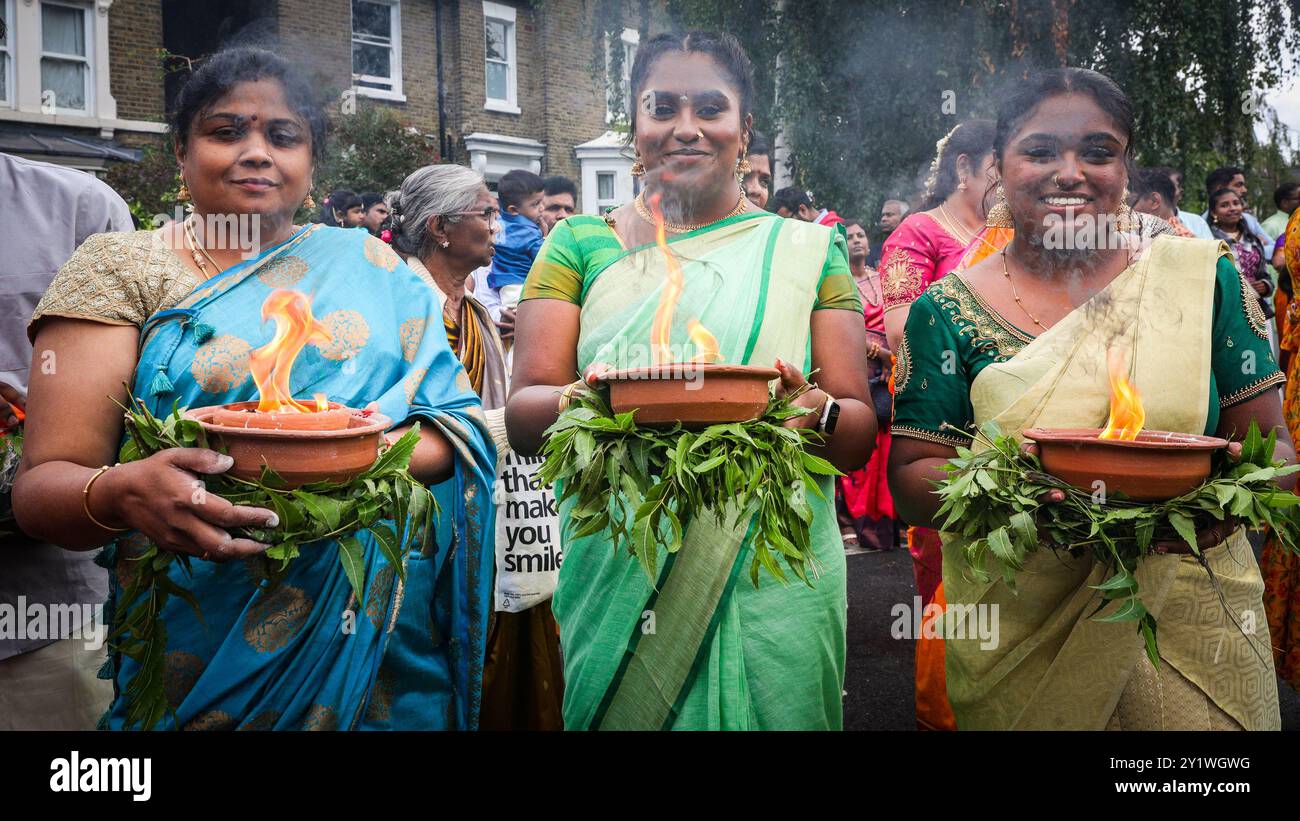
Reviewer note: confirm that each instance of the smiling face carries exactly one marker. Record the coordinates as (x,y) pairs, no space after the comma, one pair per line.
(689,128)
(1066,163)
(1226,210)
(758,181)
(248,153)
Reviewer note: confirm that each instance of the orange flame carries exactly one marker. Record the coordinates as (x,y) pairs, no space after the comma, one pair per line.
(1126,413)
(272,363)
(661,330)
(322,402)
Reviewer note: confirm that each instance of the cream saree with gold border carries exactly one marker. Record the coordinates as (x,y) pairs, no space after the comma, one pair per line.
(1054,667)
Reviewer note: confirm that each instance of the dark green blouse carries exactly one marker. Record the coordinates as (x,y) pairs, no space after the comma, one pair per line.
(952,334)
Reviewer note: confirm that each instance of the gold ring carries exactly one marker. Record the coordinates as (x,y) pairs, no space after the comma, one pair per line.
(207,557)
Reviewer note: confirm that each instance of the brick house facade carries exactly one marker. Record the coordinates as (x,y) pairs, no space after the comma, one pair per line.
(517,81)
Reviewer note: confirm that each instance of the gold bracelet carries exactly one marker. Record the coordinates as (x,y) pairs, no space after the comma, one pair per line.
(85,502)
(566,395)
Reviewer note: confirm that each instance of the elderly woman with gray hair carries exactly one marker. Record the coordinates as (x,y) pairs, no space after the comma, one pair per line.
(444,221)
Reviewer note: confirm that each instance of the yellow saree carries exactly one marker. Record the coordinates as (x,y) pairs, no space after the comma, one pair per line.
(1054,667)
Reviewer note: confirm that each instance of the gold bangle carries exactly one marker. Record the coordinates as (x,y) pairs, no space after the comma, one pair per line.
(566,395)
(85,501)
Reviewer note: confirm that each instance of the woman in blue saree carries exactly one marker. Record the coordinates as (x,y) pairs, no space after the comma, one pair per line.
(175,312)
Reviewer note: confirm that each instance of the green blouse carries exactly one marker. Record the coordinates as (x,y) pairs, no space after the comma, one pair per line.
(578,248)
(950,316)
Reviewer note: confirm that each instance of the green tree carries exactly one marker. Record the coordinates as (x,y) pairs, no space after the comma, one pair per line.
(866,89)
(371,150)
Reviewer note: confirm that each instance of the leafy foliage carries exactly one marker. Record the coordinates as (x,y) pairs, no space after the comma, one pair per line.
(150,185)
(861,87)
(371,150)
(644,486)
(376,500)
(993,499)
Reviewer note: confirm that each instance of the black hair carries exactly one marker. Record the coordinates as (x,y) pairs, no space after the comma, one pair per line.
(849,223)
(513,188)
(224,70)
(758,145)
(1219,192)
(974,138)
(1221,177)
(1284,191)
(560,185)
(790,199)
(338,200)
(724,48)
(1154,181)
(370,199)
(1025,98)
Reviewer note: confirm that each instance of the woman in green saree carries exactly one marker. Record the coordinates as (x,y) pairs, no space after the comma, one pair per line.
(698,649)
(1022,338)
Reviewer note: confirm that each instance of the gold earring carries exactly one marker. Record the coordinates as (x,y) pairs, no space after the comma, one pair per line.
(962,186)
(1124,219)
(1000,214)
(638,167)
(309,203)
(183,196)
(743,167)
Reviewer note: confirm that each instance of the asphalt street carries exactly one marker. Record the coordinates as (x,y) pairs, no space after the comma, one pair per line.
(879,673)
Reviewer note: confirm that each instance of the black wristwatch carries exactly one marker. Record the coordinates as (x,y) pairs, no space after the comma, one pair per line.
(830,417)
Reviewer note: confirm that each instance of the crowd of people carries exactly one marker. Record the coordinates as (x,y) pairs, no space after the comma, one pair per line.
(472,310)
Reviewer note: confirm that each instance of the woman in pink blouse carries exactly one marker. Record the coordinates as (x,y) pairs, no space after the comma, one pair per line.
(929,244)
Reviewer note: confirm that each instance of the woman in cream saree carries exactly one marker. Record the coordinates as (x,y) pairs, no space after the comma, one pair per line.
(1180,315)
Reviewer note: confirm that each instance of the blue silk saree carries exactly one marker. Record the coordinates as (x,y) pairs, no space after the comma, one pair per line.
(307,654)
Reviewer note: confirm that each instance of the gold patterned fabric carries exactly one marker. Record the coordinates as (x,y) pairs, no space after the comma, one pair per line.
(119,279)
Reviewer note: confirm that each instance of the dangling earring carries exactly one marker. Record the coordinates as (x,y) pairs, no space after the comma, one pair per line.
(183,196)
(743,167)
(1123,214)
(961,186)
(309,203)
(1000,214)
(638,167)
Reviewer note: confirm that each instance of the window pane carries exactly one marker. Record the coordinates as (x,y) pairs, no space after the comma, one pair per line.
(67,80)
(496,40)
(63,30)
(370,60)
(498,81)
(604,186)
(372,19)
(4,76)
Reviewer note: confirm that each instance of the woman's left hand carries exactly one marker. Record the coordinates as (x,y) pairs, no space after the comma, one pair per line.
(1214,533)
(1261,286)
(791,380)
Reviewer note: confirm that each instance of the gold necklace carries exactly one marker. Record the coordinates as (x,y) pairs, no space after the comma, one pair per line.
(875,289)
(1015,295)
(949,224)
(192,240)
(645,214)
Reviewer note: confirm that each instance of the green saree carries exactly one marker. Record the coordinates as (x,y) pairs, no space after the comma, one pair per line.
(702,648)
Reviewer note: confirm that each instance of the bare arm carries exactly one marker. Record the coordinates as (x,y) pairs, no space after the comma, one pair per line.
(895,321)
(546,360)
(73,428)
(1266,410)
(913,467)
(839,355)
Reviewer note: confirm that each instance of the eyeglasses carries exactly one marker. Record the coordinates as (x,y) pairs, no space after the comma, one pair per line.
(490,214)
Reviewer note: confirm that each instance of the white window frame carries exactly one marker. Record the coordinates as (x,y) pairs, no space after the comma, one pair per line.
(7,57)
(629,38)
(89,59)
(395,55)
(507,15)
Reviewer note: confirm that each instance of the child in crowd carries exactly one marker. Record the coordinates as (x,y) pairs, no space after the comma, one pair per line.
(520,194)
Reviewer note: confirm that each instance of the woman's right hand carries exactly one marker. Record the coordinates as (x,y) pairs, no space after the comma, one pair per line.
(1031,449)
(164,498)
(595,373)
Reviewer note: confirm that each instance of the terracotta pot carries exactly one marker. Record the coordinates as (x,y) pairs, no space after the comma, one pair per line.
(1155,467)
(246,415)
(695,395)
(300,457)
